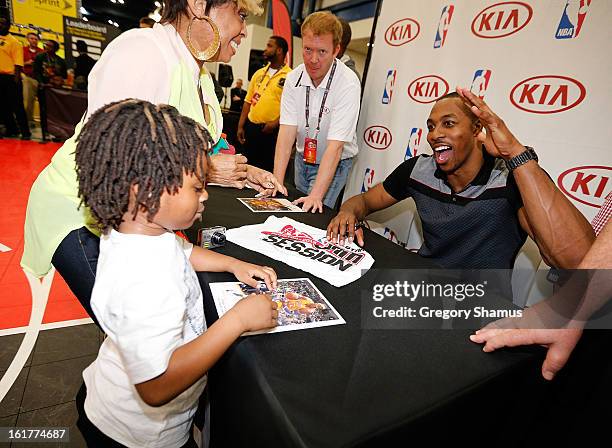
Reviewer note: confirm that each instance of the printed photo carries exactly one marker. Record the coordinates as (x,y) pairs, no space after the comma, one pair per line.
(300,304)
(268,205)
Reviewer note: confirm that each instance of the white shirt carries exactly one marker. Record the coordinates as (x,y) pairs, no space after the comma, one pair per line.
(149,302)
(145,63)
(339,120)
(300,245)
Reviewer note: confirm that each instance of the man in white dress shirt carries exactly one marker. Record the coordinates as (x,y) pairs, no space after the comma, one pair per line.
(319,111)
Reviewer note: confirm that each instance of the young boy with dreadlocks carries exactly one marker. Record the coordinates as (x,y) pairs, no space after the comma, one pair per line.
(141,171)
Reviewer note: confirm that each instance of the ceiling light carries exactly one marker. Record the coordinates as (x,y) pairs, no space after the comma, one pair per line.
(83,10)
(85,19)
(110,22)
(122,1)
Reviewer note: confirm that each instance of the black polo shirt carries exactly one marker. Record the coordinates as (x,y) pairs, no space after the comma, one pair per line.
(477,228)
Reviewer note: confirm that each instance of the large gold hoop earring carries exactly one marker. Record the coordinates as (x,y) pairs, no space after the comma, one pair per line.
(212,49)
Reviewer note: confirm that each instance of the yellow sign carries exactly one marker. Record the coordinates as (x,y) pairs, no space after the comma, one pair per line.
(43,13)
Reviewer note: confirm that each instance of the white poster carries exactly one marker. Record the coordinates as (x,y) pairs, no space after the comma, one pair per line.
(542,66)
(304,247)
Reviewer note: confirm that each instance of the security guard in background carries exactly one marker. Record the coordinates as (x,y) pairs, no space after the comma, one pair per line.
(259,120)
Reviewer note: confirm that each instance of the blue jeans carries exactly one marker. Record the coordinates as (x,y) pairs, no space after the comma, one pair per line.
(76,259)
(306,174)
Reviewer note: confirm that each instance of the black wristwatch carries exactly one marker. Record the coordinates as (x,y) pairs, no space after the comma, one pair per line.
(522,158)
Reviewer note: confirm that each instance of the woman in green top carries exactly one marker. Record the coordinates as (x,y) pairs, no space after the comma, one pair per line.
(163,65)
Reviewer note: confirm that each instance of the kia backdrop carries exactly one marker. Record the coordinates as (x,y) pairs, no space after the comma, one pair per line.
(542,66)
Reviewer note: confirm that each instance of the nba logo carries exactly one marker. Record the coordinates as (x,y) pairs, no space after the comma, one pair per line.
(480,82)
(443,24)
(389,84)
(368,180)
(413,143)
(572,19)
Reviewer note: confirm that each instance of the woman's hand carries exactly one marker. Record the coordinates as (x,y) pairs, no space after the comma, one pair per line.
(264,182)
(228,170)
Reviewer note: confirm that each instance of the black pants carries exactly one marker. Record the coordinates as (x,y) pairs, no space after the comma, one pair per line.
(76,259)
(42,104)
(96,438)
(259,147)
(11,106)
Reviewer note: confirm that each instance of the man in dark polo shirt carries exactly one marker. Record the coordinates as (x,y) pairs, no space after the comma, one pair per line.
(478,195)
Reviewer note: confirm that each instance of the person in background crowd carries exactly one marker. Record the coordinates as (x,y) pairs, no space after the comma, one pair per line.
(319,111)
(30,84)
(162,65)
(146,22)
(49,68)
(259,120)
(50,71)
(83,64)
(478,196)
(237,95)
(11,65)
(560,338)
(346,40)
(218,89)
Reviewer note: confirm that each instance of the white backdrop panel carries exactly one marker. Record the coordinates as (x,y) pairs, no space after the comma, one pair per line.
(543,66)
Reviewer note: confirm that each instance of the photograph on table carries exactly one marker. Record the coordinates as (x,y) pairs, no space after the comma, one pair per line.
(300,304)
(268,205)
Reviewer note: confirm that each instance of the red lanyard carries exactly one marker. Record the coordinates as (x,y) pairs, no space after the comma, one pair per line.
(269,79)
(329,81)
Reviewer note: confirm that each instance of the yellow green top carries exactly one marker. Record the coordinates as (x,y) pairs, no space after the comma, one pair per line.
(149,64)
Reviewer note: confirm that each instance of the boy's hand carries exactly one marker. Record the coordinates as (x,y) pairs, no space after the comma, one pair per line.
(256,312)
(249,273)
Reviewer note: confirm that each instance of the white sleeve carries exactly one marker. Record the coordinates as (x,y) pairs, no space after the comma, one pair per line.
(185,245)
(288,115)
(134,67)
(345,113)
(148,322)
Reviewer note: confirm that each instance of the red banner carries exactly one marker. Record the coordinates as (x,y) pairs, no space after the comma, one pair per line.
(281,25)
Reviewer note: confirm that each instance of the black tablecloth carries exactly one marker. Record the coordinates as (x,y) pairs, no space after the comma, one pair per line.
(344,386)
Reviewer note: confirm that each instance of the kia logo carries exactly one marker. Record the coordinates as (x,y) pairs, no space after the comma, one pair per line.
(501,20)
(378,137)
(587,184)
(427,89)
(402,32)
(547,94)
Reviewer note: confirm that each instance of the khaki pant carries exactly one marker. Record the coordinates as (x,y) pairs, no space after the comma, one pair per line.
(30,89)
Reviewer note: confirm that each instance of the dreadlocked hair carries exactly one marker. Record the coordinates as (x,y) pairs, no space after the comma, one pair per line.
(135,143)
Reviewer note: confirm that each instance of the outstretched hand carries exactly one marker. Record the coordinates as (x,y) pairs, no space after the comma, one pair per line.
(560,343)
(539,325)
